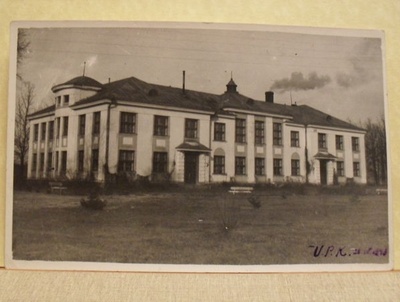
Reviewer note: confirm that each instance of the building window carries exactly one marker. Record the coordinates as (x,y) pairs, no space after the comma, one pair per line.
(96,122)
(63,161)
(81,159)
(41,162)
(278,169)
(321,140)
(190,128)
(56,162)
(355,143)
(339,142)
(219,132)
(43,131)
(51,130)
(82,124)
(66,100)
(356,169)
(219,164)
(95,160)
(259,132)
(127,122)
(340,168)
(294,139)
(240,165)
(34,162)
(240,130)
(160,162)
(49,161)
(35,132)
(277,134)
(58,120)
(160,125)
(295,167)
(126,161)
(65,126)
(58,101)
(260,166)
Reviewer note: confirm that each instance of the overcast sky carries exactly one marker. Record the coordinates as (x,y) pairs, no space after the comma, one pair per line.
(340,75)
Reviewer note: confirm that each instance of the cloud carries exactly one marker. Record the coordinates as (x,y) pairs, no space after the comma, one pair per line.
(297,81)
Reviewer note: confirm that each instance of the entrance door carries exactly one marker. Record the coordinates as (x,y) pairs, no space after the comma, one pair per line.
(323,171)
(191,163)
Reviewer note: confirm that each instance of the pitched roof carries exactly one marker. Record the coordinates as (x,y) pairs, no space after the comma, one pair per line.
(47,110)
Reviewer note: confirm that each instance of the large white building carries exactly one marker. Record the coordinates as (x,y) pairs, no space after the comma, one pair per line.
(131,128)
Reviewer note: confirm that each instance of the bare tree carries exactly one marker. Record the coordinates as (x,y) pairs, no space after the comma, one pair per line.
(22,49)
(22,110)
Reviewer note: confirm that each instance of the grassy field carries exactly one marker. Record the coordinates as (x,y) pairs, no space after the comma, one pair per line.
(201,226)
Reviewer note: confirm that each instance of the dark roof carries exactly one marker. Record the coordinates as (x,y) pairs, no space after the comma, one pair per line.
(192,146)
(48,110)
(135,90)
(81,81)
(324,155)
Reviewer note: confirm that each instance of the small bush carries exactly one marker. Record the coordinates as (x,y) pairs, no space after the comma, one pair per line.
(94,201)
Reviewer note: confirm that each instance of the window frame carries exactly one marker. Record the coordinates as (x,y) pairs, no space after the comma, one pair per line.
(322,141)
(355,144)
(191,128)
(96,123)
(82,125)
(277,135)
(219,165)
(294,138)
(278,169)
(51,130)
(295,167)
(219,132)
(340,168)
(65,126)
(160,162)
(339,142)
(259,132)
(161,129)
(95,160)
(259,169)
(356,169)
(34,162)
(64,159)
(81,161)
(35,132)
(127,122)
(43,131)
(240,165)
(240,130)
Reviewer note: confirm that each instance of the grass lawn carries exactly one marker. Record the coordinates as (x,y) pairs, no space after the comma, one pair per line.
(202,226)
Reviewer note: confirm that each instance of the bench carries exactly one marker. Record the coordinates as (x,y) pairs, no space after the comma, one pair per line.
(241,190)
(57,186)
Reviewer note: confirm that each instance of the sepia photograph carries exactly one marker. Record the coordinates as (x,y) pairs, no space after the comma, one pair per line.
(197,147)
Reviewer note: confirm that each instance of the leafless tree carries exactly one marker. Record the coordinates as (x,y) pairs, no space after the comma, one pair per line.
(23,107)
(22,49)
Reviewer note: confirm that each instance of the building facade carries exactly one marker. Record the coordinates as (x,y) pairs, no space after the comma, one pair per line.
(131,128)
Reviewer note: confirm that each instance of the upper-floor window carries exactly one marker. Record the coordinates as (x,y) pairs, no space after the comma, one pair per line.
(82,124)
(219,131)
(58,101)
(240,130)
(127,122)
(96,122)
(355,143)
(259,166)
(240,165)
(322,141)
(65,125)
(51,130)
(191,128)
(43,131)
(160,125)
(160,162)
(36,132)
(339,142)
(58,121)
(294,138)
(219,164)
(259,132)
(66,100)
(277,134)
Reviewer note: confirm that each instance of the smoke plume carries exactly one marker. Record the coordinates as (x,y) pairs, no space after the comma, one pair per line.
(297,81)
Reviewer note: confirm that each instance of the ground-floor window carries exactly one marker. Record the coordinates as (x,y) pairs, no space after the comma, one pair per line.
(340,168)
(63,161)
(260,166)
(219,164)
(240,165)
(34,162)
(95,160)
(126,161)
(295,167)
(356,169)
(56,163)
(41,162)
(278,167)
(160,162)
(49,161)
(81,158)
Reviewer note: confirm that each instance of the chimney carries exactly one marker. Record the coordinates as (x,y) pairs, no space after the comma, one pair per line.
(269,96)
(183,84)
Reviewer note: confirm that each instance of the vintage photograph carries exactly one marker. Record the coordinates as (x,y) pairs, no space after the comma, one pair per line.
(197,147)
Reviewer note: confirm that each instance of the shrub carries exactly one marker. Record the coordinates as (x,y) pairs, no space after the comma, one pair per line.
(93,201)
